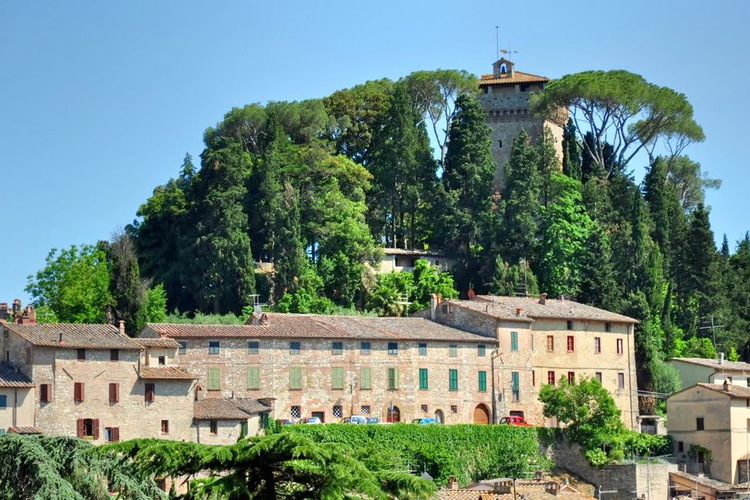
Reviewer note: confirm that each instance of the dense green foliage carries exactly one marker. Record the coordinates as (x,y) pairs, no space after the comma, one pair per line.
(64,468)
(286,465)
(469,452)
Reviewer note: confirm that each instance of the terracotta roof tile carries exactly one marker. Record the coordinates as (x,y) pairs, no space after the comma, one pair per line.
(724,366)
(164,373)
(228,409)
(735,391)
(23,430)
(72,335)
(10,376)
(156,342)
(518,77)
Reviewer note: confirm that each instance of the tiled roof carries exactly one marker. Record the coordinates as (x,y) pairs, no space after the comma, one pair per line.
(72,335)
(228,409)
(734,391)
(23,430)
(156,342)
(279,325)
(10,376)
(722,366)
(518,77)
(531,308)
(164,373)
(403,251)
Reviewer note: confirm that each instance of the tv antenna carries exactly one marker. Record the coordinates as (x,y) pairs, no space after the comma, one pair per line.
(497,42)
(509,52)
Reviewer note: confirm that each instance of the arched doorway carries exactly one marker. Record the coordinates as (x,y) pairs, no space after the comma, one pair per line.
(393,414)
(439,416)
(481,414)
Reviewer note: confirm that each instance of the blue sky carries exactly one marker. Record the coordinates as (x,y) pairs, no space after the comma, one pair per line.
(100,101)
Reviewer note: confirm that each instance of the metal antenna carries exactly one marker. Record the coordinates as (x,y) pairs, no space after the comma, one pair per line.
(497,42)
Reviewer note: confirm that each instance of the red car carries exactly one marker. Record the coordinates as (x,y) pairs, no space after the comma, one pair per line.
(519,421)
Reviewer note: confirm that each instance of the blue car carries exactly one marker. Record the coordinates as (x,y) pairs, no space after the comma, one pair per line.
(425,421)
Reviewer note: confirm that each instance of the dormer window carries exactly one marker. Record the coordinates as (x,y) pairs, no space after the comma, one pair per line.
(503,69)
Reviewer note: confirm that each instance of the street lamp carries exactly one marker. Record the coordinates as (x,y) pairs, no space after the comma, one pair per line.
(496,354)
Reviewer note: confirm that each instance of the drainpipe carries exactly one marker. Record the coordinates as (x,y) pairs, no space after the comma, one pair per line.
(631,331)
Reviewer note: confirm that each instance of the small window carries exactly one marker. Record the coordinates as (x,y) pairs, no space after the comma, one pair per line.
(78,392)
(607,327)
(550,343)
(365,410)
(454,408)
(162,360)
(533,378)
(112,434)
(295,412)
(3,401)
(500,144)
(619,346)
(213,427)
(337,348)
(424,408)
(213,348)
(699,426)
(114,355)
(597,345)
(150,392)
(423,379)
(338,411)
(183,347)
(114,392)
(452,380)
(423,349)
(252,347)
(81,354)
(165,426)
(513,341)
(453,350)
(598,376)
(551,378)
(481,350)
(482,381)
(45,393)
(365,348)
(294,348)
(571,378)
(571,343)
(680,446)
(393,348)
(621,381)
(570,324)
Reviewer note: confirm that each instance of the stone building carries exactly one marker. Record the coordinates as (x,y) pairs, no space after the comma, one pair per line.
(711,371)
(505,96)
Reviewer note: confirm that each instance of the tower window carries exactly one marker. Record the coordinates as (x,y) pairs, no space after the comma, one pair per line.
(500,143)
(503,69)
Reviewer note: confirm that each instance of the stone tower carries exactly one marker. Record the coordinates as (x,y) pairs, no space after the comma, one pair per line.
(505,96)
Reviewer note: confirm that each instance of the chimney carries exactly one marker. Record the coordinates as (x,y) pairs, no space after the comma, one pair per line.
(122,327)
(727,384)
(4,310)
(60,338)
(28,317)
(433,307)
(721,358)
(519,311)
(471,294)
(452,483)
(543,298)
(16,309)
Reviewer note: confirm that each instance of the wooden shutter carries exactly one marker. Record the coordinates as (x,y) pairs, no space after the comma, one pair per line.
(45,393)
(114,392)
(253,377)
(78,392)
(80,428)
(214,379)
(150,390)
(115,434)
(365,378)
(337,378)
(393,378)
(95,428)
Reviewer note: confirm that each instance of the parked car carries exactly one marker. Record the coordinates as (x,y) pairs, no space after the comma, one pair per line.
(286,421)
(354,419)
(372,420)
(309,420)
(425,421)
(514,420)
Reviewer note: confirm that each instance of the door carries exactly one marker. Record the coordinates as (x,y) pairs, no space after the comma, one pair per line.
(393,415)
(481,415)
(320,414)
(439,416)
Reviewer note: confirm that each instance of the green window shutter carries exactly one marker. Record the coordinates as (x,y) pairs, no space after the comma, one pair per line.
(214,379)
(392,378)
(482,382)
(253,377)
(423,379)
(295,377)
(365,378)
(515,381)
(337,378)
(513,341)
(453,380)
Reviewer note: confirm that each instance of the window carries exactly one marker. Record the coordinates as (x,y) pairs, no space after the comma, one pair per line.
(112,434)
(183,347)
(114,355)
(597,345)
(88,428)
(392,379)
(365,409)
(550,343)
(423,379)
(513,341)
(214,378)
(295,412)
(551,378)
(45,393)
(114,392)
(607,327)
(619,346)
(165,426)
(81,354)
(337,377)
(3,401)
(699,426)
(598,376)
(213,347)
(515,385)
(453,350)
(454,408)
(337,348)
(621,381)
(571,378)
(253,378)
(78,392)
(452,380)
(150,392)
(365,378)
(482,381)
(533,378)
(213,427)
(252,347)
(423,350)
(680,446)
(294,348)
(295,378)
(337,411)
(393,348)
(571,343)
(481,350)
(162,360)
(570,325)
(424,408)
(748,423)
(499,142)
(364,348)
